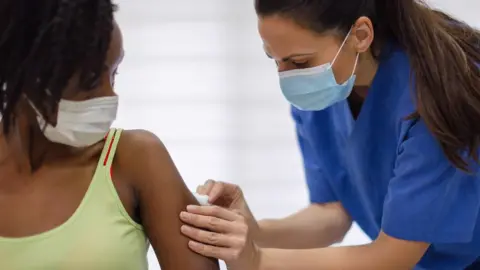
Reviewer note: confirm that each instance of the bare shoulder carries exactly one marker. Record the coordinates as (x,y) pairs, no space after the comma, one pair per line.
(146,165)
(139,141)
(140,135)
(139,150)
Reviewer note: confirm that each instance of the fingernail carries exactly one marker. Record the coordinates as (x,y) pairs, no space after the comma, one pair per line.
(192,207)
(184,215)
(193,244)
(184,228)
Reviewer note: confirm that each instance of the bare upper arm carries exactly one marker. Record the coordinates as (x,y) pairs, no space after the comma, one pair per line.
(161,195)
(402,253)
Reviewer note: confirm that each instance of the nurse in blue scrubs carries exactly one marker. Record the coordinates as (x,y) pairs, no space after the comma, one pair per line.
(386,101)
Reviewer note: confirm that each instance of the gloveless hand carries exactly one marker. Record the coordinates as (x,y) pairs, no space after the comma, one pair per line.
(224,230)
(221,233)
(230,196)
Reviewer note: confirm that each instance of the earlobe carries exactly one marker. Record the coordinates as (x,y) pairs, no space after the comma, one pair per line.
(364,34)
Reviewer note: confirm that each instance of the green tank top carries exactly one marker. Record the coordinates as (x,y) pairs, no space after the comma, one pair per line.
(100,235)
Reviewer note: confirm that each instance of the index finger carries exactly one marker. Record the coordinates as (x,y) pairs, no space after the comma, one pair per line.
(216,192)
(213,211)
(205,188)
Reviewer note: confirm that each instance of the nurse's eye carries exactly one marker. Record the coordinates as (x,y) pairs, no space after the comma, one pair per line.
(300,63)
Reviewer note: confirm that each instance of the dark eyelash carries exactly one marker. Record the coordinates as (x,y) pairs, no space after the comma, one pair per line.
(300,62)
(303,64)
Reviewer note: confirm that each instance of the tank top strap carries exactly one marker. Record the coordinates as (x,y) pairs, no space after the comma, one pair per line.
(105,190)
(110,148)
(102,177)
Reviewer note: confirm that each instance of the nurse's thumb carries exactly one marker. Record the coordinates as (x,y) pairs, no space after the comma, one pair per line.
(223,194)
(216,193)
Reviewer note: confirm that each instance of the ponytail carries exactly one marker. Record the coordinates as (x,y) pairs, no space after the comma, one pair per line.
(445,57)
(444,54)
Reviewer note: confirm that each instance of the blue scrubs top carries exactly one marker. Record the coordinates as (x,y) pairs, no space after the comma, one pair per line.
(390,173)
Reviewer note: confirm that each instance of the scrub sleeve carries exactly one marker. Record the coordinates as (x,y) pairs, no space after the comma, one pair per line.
(428,199)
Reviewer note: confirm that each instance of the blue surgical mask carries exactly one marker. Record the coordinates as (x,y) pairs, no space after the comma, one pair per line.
(314,89)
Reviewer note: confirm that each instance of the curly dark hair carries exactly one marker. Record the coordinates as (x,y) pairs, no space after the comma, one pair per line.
(44,43)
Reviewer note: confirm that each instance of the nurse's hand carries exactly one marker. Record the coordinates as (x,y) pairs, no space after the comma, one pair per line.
(224,230)
(221,233)
(229,196)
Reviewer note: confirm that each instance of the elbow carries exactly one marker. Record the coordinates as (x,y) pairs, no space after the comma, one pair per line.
(341,225)
(339,239)
(341,231)
(337,222)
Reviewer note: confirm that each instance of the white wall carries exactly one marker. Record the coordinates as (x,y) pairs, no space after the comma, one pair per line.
(196,75)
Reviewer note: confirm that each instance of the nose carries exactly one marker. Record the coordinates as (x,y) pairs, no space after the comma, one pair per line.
(281,66)
(285,66)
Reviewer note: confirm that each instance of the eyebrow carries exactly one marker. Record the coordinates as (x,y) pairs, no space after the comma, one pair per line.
(285,59)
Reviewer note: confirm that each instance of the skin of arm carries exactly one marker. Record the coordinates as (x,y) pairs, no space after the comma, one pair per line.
(318,225)
(384,253)
(162,195)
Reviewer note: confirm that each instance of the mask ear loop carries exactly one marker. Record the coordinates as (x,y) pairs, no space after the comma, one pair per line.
(356,62)
(341,47)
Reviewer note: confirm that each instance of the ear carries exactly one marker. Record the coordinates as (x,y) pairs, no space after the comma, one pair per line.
(363,34)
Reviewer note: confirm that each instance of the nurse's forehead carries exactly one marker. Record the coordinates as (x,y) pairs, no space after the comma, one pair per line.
(275,29)
(283,37)
(283,50)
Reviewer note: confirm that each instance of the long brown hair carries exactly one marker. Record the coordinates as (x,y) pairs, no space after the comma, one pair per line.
(444,53)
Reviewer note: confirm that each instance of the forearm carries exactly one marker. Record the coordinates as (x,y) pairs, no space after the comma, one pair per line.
(384,253)
(313,227)
(332,258)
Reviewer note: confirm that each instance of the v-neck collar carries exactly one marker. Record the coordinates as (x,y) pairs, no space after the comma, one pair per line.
(379,84)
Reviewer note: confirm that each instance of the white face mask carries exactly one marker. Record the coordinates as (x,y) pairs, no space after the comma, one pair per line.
(81,123)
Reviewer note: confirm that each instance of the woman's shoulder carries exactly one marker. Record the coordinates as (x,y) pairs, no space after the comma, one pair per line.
(133,139)
(139,143)
(143,162)
(138,150)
